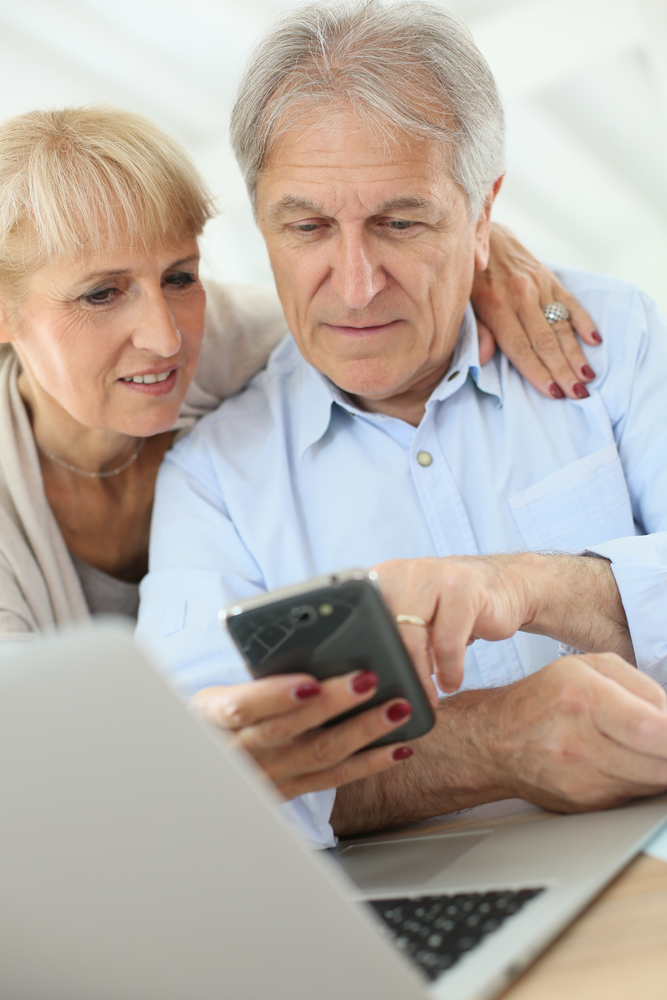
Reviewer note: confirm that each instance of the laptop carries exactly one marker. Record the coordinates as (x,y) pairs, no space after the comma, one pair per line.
(143,859)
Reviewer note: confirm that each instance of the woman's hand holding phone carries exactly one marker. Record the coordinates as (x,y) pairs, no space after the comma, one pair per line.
(279,720)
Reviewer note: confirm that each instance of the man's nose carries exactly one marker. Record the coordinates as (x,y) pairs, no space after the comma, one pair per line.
(155,329)
(356,273)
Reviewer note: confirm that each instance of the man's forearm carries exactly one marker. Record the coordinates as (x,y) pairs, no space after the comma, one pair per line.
(575,600)
(584,732)
(452,769)
(470,755)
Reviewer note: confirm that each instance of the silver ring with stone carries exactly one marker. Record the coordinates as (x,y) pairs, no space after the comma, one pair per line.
(411,620)
(554,312)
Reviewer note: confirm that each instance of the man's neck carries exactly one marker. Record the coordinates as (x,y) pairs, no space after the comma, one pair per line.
(410,405)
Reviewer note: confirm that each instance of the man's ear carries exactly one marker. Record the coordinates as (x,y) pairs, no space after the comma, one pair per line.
(483,226)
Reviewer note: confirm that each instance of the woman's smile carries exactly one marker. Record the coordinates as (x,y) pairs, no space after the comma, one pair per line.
(152,383)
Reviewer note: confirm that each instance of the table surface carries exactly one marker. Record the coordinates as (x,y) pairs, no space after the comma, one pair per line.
(616,950)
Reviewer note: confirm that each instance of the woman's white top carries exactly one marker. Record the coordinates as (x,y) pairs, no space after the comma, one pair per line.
(39,583)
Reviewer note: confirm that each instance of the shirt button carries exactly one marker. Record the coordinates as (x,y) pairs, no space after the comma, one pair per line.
(424,458)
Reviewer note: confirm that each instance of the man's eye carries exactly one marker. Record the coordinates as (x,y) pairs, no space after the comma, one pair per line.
(306,227)
(180,279)
(400,224)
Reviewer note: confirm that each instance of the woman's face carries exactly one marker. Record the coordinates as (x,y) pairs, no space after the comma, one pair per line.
(113,337)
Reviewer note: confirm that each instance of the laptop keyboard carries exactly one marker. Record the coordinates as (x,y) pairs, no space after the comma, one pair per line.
(435,931)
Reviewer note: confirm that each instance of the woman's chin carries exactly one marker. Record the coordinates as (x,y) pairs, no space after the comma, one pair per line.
(146,425)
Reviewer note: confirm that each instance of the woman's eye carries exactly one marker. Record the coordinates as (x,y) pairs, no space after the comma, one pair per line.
(100,296)
(180,279)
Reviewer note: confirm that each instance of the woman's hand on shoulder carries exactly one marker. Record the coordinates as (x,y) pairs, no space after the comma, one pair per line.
(508,299)
(278,720)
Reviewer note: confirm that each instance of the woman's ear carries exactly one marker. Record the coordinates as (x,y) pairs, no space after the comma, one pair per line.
(6,325)
(483,226)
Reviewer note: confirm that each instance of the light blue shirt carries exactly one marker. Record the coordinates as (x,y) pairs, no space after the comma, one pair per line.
(289,480)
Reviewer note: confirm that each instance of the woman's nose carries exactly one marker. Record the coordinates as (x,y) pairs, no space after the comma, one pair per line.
(155,329)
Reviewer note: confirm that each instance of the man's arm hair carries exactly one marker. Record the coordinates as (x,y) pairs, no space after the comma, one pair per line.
(583,733)
(451,769)
(578,603)
(466,759)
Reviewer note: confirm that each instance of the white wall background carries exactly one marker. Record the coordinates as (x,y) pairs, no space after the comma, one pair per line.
(584,84)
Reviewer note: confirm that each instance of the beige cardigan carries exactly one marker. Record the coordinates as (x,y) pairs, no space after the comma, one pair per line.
(39,587)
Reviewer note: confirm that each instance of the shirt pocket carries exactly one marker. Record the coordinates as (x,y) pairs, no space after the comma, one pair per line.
(583,504)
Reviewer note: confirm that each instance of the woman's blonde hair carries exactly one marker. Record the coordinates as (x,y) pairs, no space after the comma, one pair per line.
(82,178)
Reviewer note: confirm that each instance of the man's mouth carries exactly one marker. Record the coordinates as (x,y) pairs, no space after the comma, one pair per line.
(368,329)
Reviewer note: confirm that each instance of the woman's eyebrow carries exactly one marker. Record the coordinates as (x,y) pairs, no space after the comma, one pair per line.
(96,275)
(120,271)
(193,258)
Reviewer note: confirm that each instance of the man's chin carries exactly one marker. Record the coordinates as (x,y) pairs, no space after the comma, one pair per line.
(367,384)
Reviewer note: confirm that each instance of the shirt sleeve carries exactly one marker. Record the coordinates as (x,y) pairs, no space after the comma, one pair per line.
(636,401)
(198,565)
(639,565)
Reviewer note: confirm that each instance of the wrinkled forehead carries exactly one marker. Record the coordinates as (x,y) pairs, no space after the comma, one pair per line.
(342,157)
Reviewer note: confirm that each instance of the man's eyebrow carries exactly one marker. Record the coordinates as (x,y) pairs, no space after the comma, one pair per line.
(408,204)
(291,203)
(119,272)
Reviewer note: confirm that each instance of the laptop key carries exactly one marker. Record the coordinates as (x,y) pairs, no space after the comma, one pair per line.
(436,930)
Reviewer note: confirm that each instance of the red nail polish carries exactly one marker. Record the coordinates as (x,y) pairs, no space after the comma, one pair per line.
(307,690)
(402,753)
(580,391)
(364,681)
(556,391)
(596,337)
(587,371)
(399,711)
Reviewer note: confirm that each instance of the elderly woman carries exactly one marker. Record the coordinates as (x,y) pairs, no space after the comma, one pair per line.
(102,318)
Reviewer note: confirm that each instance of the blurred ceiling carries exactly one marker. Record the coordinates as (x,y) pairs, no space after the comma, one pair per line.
(584,84)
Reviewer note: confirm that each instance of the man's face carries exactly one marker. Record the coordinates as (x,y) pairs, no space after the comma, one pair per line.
(373,255)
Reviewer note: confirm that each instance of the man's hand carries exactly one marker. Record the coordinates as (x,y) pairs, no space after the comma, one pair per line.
(573,599)
(508,298)
(585,732)
(277,720)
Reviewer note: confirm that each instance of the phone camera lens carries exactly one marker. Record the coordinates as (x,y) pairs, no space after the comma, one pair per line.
(303,615)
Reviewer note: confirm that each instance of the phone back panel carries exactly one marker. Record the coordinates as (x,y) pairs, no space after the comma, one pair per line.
(329,630)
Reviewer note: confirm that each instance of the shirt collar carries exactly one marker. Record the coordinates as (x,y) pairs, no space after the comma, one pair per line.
(466,360)
(318,394)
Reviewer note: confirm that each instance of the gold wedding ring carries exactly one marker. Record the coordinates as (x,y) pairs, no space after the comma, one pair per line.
(411,620)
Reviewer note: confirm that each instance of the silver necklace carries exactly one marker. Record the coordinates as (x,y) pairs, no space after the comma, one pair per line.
(92,475)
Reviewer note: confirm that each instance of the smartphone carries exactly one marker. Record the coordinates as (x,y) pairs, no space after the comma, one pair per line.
(326,627)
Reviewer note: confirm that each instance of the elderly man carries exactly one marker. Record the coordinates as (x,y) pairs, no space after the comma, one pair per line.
(371,138)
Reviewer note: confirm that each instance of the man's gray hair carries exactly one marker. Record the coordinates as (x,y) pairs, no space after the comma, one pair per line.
(407,67)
